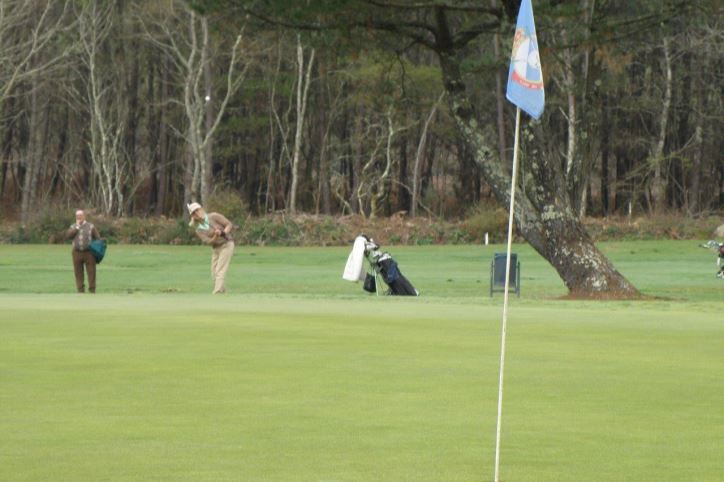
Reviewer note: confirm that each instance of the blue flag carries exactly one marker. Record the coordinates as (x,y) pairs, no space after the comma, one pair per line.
(525,77)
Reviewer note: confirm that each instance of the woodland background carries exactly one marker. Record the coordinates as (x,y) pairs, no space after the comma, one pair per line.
(132,108)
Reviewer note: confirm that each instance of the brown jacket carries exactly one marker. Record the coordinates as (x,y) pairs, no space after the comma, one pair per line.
(82,235)
(216,221)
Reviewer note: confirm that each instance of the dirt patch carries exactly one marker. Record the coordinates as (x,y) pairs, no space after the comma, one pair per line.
(398,229)
(608,296)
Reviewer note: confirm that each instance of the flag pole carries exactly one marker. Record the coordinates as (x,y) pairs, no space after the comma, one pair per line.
(505,296)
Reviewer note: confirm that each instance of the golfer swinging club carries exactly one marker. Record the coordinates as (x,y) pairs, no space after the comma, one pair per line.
(214,230)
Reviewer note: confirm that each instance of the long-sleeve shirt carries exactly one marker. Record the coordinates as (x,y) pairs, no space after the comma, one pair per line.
(216,221)
(82,235)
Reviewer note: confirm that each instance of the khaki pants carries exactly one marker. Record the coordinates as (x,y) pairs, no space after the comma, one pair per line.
(85,259)
(220,260)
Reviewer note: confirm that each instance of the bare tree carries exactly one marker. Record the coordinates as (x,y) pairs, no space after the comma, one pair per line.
(28,30)
(374,176)
(269,198)
(107,112)
(183,35)
(303,81)
(328,110)
(34,151)
(658,182)
(418,156)
(572,77)
(283,123)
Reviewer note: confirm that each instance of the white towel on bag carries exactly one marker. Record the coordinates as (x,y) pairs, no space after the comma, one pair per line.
(354,270)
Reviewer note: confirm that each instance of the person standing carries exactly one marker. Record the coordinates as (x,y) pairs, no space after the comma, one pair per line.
(82,233)
(214,230)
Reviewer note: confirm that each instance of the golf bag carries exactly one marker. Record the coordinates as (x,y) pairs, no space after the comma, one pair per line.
(383,266)
(719,249)
(399,285)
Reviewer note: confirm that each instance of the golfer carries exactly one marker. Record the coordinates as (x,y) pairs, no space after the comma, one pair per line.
(82,233)
(215,230)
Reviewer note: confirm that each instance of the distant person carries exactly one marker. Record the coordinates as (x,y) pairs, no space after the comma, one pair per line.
(214,230)
(82,233)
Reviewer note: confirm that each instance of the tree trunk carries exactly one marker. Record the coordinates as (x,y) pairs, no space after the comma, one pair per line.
(605,154)
(132,84)
(58,175)
(270,197)
(465,189)
(356,164)
(658,186)
(418,158)
(163,141)
(571,154)
(403,190)
(427,180)
(5,161)
(544,214)
(696,158)
(207,168)
(499,95)
(6,109)
(378,184)
(303,81)
(32,154)
(324,164)
(298,131)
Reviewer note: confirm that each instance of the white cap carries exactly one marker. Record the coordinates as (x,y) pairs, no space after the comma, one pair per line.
(193,207)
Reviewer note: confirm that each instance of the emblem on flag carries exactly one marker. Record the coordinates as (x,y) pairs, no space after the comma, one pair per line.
(525,77)
(525,61)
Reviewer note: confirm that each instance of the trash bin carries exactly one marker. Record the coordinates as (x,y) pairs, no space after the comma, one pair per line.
(497,273)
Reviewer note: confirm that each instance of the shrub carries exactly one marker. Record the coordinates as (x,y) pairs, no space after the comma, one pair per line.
(176,232)
(661,226)
(424,240)
(134,231)
(486,219)
(49,226)
(149,231)
(273,231)
(228,203)
(457,235)
(320,231)
(109,228)
(45,226)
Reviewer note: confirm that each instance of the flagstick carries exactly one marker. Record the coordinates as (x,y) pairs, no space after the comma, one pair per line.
(505,296)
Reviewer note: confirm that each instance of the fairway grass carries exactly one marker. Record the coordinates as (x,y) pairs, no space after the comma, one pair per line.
(298,375)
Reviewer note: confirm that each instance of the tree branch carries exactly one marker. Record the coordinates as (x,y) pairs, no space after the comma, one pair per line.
(407,29)
(430,5)
(464,37)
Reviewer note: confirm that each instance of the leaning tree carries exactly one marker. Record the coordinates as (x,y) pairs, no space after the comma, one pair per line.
(545,213)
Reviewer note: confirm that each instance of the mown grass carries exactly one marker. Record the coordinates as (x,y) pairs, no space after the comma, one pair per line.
(297,375)
(671,269)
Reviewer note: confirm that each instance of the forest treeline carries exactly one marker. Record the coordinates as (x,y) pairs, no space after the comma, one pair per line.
(134,107)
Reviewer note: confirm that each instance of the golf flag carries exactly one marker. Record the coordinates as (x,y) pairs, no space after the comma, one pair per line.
(525,77)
